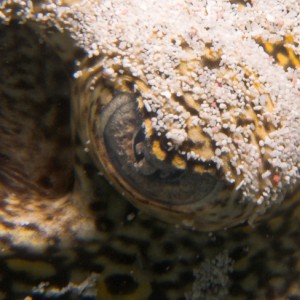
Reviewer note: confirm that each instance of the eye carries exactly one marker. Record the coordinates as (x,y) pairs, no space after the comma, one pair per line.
(155,185)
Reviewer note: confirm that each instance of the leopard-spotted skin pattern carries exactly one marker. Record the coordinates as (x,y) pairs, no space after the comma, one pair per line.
(44,238)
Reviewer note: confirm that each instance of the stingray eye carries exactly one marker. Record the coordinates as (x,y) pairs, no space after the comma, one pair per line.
(172,194)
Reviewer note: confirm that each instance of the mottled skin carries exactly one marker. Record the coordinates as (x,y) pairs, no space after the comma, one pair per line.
(47,237)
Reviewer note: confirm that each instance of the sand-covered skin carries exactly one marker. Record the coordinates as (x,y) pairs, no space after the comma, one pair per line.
(264,260)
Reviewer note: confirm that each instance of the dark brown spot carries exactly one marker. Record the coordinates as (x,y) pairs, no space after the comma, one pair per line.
(130,85)
(181,100)
(211,63)
(104,224)
(163,267)
(121,284)
(243,122)
(169,247)
(243,2)
(8,225)
(45,182)
(118,256)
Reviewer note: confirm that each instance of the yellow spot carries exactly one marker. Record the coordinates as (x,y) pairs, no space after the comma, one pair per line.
(269,47)
(241,7)
(206,152)
(183,68)
(256,84)
(157,151)
(200,169)
(148,128)
(289,39)
(293,58)
(179,162)
(211,54)
(282,59)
